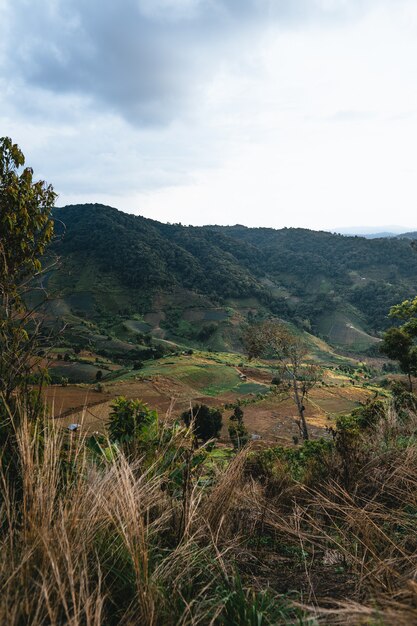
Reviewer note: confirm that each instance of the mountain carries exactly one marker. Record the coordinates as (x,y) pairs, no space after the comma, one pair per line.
(370,232)
(198,284)
(412,235)
(378,235)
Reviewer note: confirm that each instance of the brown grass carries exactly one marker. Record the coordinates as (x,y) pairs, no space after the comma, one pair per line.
(159,537)
(82,539)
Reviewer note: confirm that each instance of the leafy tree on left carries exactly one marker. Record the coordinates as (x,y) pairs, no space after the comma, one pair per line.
(26,228)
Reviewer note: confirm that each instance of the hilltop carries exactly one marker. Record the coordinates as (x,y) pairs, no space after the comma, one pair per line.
(196,285)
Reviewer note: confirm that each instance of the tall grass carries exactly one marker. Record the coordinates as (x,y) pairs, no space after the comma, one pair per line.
(93,538)
(363,526)
(160,534)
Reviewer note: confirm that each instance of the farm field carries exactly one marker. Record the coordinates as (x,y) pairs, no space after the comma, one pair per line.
(344,330)
(170,385)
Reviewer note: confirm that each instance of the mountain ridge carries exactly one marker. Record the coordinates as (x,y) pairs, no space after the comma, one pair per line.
(125,264)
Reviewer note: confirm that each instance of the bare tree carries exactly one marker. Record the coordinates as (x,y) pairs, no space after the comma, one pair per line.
(273,339)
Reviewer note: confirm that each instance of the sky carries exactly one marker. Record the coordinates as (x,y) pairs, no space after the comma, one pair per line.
(258,112)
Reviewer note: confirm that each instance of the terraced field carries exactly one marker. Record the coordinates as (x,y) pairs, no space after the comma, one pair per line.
(344,330)
(170,385)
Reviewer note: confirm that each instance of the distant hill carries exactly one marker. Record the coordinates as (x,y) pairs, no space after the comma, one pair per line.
(378,235)
(370,232)
(412,235)
(200,283)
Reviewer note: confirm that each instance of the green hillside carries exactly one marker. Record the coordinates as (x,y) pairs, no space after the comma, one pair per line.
(128,276)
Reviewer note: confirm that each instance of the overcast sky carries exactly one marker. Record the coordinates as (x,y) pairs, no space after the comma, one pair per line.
(259,112)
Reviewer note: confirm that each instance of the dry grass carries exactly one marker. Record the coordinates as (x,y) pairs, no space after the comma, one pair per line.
(367,530)
(90,538)
(79,535)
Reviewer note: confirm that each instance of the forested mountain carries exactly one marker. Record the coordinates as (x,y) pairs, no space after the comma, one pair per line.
(311,278)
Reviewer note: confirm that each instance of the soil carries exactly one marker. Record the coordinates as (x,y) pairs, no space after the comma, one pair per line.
(272,419)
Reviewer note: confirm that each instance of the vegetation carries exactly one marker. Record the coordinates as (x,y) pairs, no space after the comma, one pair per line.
(134,266)
(162,532)
(26,228)
(151,521)
(238,433)
(273,339)
(127,420)
(206,422)
(400,343)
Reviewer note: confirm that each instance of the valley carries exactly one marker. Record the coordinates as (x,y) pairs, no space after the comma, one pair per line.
(172,383)
(156,311)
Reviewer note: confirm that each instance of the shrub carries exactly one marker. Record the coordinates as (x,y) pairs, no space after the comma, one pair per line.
(405,402)
(207,422)
(128,418)
(364,417)
(238,434)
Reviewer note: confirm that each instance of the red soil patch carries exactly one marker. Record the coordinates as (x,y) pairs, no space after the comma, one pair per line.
(273,418)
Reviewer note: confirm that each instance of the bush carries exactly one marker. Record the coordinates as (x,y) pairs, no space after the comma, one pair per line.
(405,402)
(128,418)
(207,422)
(238,434)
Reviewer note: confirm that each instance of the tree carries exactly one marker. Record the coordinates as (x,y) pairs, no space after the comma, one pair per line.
(238,434)
(207,422)
(99,375)
(128,418)
(399,343)
(273,339)
(26,228)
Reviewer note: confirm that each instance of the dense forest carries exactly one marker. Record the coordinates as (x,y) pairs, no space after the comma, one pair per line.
(297,274)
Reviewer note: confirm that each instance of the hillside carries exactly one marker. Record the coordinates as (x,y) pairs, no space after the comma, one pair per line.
(197,284)
(411,235)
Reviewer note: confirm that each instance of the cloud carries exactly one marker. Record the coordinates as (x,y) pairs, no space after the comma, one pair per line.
(145,60)
(272,112)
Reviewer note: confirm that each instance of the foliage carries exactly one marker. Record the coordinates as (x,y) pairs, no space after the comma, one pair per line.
(206,421)
(296,274)
(25,230)
(398,344)
(128,419)
(190,536)
(364,418)
(405,402)
(238,433)
(309,459)
(273,338)
(25,221)
(250,608)
(369,414)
